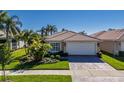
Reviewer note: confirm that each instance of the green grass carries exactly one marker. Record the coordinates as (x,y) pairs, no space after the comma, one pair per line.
(116,62)
(61,65)
(39,78)
(18,53)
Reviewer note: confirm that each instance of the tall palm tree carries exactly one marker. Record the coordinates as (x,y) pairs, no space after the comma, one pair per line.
(3,16)
(11,27)
(43,31)
(48,30)
(51,29)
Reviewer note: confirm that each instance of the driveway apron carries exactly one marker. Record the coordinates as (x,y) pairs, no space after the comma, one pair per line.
(92,69)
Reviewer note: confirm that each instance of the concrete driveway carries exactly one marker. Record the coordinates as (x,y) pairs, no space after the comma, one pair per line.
(84,59)
(92,69)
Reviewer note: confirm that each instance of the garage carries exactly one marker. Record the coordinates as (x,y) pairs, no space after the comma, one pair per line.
(81,48)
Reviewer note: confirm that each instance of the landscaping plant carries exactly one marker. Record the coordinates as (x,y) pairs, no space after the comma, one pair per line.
(39,49)
(5,58)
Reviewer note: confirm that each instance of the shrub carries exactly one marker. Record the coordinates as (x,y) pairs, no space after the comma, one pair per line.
(48,61)
(52,56)
(24,59)
(121,53)
(61,53)
(65,54)
(57,57)
(99,54)
(38,50)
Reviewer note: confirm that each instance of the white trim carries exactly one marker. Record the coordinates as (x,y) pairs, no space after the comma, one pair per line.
(60,46)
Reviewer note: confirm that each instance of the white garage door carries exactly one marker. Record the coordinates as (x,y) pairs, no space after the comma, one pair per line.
(81,48)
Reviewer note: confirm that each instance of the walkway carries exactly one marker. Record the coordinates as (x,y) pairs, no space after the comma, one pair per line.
(37,72)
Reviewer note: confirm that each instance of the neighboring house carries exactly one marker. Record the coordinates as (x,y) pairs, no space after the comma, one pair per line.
(73,43)
(13,43)
(112,40)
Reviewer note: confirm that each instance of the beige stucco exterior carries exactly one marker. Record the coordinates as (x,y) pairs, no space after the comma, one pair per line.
(112,47)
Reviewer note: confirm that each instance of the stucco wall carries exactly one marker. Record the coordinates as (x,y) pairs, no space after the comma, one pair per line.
(122,46)
(107,46)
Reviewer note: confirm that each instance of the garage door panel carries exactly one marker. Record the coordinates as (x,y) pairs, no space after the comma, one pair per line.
(81,48)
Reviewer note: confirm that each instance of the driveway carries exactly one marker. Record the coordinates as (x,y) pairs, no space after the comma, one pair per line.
(92,69)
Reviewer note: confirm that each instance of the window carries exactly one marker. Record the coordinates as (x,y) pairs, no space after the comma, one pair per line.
(55,47)
(14,45)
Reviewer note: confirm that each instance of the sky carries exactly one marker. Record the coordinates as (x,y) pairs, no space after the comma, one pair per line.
(75,20)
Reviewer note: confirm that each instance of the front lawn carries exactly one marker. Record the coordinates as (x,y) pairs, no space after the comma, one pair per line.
(116,62)
(61,65)
(39,78)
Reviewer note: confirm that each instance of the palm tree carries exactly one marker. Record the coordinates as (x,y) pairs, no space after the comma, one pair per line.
(26,36)
(48,30)
(11,27)
(43,31)
(51,29)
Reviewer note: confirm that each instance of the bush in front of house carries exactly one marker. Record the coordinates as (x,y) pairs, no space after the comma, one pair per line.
(52,56)
(38,50)
(61,53)
(58,57)
(99,54)
(49,61)
(25,59)
(121,53)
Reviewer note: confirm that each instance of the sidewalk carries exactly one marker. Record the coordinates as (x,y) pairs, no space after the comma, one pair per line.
(37,72)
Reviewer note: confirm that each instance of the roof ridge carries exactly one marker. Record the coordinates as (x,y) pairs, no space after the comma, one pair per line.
(89,36)
(59,34)
(82,35)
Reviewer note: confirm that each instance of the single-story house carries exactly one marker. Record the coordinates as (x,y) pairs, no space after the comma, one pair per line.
(112,40)
(73,43)
(13,43)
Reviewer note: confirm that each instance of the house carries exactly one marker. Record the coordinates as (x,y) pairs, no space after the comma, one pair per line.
(13,43)
(73,43)
(112,40)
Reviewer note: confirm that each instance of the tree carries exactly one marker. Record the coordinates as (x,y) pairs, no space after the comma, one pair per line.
(9,24)
(3,16)
(63,29)
(48,30)
(111,29)
(42,31)
(83,33)
(51,29)
(38,49)
(25,35)
(5,58)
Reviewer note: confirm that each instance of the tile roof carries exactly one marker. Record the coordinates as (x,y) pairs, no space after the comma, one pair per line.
(70,36)
(80,37)
(109,35)
(60,36)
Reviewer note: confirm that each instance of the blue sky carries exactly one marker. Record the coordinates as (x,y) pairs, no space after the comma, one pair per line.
(89,20)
